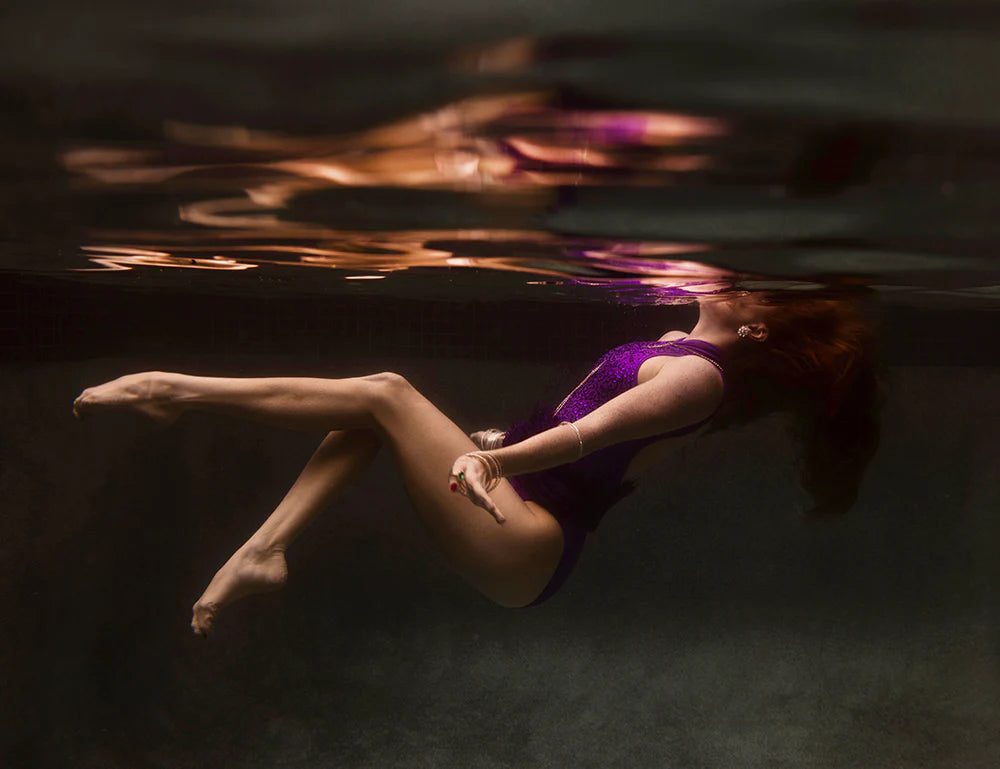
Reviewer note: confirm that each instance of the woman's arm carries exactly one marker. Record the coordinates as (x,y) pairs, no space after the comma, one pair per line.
(685,390)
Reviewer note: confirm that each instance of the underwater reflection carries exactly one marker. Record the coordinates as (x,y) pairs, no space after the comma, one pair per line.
(642,272)
(640,188)
(515,144)
(505,143)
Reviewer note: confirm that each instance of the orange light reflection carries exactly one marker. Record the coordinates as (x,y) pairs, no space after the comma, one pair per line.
(244,181)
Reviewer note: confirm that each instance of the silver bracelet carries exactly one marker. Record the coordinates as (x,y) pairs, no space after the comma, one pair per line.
(579,437)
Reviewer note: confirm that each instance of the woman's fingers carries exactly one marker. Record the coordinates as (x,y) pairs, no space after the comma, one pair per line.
(467,479)
(479,496)
(488,439)
(477,438)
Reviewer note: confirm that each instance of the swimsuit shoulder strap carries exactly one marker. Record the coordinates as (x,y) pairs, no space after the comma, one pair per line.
(702,349)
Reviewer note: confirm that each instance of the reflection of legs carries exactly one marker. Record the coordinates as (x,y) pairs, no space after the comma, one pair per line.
(259,565)
(510,563)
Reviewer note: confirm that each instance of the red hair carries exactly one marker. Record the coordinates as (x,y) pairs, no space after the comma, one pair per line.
(817,363)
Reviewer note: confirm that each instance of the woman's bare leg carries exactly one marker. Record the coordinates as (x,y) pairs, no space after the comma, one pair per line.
(509,563)
(294,403)
(259,565)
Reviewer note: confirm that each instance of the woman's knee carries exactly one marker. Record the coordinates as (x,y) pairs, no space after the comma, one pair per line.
(388,390)
(388,378)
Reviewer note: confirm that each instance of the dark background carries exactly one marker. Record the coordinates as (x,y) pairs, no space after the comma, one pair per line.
(707,626)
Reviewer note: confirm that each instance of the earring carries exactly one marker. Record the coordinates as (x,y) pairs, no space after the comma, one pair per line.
(743,331)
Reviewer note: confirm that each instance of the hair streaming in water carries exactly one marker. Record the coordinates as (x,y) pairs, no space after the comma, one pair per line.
(818,364)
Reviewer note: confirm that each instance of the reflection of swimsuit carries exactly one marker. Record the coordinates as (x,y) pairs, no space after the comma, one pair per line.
(621,134)
(578,494)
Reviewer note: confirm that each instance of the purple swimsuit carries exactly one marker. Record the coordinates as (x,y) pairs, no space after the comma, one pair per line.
(578,494)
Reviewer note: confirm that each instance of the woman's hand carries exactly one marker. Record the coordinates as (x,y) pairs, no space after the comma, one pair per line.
(469,477)
(488,439)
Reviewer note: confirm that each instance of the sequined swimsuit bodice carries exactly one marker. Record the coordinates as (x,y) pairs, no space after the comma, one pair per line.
(618,372)
(595,482)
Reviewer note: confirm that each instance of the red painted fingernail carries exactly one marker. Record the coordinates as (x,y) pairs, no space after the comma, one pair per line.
(454,487)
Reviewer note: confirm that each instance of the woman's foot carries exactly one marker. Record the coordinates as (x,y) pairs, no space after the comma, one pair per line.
(150,393)
(250,570)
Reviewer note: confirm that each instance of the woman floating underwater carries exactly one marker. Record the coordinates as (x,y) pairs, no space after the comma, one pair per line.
(545,483)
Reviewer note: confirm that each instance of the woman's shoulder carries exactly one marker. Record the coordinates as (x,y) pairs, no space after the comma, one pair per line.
(672,336)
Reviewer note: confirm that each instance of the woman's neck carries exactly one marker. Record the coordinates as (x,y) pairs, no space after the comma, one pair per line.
(708,331)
